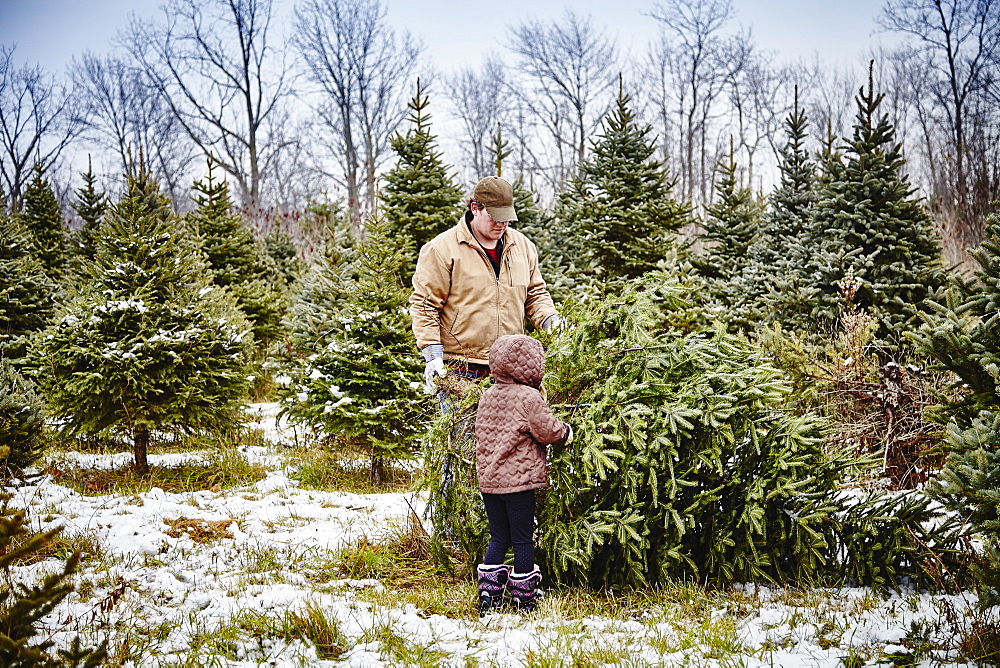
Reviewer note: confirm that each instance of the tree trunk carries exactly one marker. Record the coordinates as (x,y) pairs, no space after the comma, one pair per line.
(377,473)
(140,443)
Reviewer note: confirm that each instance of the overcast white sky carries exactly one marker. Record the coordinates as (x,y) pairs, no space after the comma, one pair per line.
(460,32)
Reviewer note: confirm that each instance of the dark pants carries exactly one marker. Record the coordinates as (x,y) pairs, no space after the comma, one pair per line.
(512,524)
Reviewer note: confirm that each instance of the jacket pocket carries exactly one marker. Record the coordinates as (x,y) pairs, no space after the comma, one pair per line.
(517,271)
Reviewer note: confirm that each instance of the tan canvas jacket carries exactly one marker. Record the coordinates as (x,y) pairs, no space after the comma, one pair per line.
(459,302)
(513,422)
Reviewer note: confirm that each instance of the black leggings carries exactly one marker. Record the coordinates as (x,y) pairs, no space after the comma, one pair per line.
(512,524)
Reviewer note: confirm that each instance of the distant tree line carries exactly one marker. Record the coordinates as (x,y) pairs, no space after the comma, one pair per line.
(288,121)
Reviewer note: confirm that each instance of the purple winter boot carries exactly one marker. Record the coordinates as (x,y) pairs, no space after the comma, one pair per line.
(492,580)
(524,589)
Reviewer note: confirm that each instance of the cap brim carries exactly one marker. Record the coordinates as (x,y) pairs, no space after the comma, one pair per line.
(502,214)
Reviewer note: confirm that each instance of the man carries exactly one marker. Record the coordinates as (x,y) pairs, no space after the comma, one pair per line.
(474,283)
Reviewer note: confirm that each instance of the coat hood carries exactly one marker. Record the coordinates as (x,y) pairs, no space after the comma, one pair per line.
(516,358)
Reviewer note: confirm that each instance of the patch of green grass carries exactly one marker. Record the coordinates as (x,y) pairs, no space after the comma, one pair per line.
(61,547)
(331,471)
(569,647)
(401,651)
(221,469)
(402,562)
(309,624)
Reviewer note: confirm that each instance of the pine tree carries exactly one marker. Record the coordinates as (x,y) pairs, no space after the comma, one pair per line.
(800,298)
(619,208)
(364,387)
(238,262)
(42,216)
(22,607)
(732,227)
(793,201)
(867,219)
(785,247)
(91,205)
(27,294)
(314,316)
(149,344)
(962,335)
(281,249)
(21,421)
(420,198)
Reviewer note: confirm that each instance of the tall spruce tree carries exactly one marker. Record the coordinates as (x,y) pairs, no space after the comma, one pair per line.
(91,205)
(619,208)
(364,387)
(868,219)
(27,293)
(41,215)
(793,201)
(149,344)
(800,299)
(962,335)
(238,262)
(732,227)
(420,198)
(784,246)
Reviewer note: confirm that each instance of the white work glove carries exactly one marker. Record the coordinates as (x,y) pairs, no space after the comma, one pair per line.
(434,355)
(569,436)
(553,323)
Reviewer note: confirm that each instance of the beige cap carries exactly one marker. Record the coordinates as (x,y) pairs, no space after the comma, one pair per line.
(497,196)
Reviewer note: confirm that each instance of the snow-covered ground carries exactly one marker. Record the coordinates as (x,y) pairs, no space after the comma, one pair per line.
(155,597)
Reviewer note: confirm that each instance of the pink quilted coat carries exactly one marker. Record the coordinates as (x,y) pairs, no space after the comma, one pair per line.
(513,423)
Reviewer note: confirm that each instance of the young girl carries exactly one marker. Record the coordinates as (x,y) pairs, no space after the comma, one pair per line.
(513,427)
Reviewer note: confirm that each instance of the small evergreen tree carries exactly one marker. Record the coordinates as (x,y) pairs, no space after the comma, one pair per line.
(91,205)
(793,201)
(867,219)
(420,198)
(41,215)
(27,294)
(149,343)
(731,229)
(22,607)
(281,249)
(238,262)
(618,210)
(786,243)
(314,315)
(21,421)
(962,335)
(364,387)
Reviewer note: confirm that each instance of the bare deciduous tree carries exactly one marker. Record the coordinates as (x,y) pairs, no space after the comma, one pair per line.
(480,103)
(364,71)
(211,63)
(122,112)
(691,65)
(35,126)
(760,97)
(571,68)
(960,44)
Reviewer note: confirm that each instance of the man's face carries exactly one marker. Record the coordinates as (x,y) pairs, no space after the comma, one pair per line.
(485,227)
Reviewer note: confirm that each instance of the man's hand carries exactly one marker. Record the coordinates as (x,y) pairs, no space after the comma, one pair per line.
(434,354)
(433,368)
(554,323)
